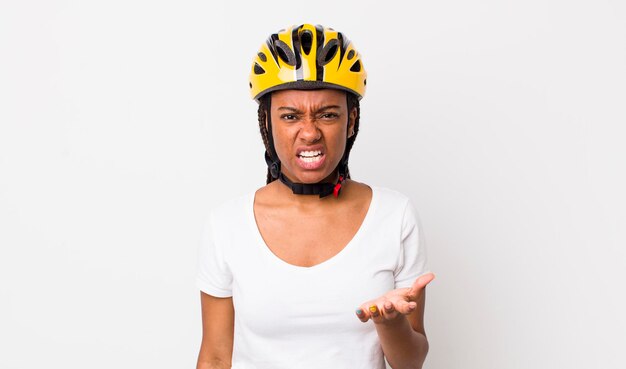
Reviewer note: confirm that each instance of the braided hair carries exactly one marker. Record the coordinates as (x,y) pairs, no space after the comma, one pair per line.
(264,103)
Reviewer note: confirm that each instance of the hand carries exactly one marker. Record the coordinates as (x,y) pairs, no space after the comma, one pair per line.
(395,303)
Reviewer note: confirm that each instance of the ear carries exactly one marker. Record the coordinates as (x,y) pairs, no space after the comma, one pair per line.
(352,122)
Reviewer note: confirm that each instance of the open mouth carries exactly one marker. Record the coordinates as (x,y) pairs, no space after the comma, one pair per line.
(310,156)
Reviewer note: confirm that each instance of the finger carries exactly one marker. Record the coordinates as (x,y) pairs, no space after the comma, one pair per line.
(420,283)
(376,313)
(389,311)
(405,307)
(388,307)
(360,313)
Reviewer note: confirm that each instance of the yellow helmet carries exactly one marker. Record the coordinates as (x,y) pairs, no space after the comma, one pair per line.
(307,57)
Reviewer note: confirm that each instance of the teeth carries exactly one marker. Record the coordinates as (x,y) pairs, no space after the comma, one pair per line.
(310,154)
(310,159)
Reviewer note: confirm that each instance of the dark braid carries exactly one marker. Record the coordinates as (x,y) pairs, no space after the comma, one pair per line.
(262,111)
(353,102)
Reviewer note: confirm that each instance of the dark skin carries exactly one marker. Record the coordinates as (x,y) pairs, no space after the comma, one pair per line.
(294,227)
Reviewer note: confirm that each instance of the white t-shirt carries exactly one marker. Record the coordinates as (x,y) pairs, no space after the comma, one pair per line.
(294,317)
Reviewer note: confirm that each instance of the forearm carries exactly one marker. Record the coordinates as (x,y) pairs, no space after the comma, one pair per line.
(214,355)
(404,348)
(213,364)
(216,348)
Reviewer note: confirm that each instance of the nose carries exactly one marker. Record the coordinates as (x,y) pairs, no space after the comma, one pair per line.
(309,131)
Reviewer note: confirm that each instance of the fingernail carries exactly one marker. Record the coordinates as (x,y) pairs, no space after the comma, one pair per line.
(374,310)
(388,306)
(412,305)
(359,312)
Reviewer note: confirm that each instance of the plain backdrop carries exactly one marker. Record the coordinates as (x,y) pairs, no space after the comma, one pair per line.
(123,122)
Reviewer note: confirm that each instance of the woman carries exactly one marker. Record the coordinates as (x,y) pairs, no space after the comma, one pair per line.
(313,270)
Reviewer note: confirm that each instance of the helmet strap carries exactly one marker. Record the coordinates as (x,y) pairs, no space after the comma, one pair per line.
(322,189)
(273,165)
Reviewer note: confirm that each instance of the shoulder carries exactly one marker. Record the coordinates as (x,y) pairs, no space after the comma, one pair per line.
(390,197)
(379,194)
(392,205)
(386,204)
(232,209)
(267,195)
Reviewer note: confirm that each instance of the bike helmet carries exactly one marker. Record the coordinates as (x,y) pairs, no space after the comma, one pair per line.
(307,57)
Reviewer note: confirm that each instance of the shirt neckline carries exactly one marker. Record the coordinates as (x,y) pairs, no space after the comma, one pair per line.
(273,258)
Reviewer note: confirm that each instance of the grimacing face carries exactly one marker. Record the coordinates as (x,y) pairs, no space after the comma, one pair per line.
(310,129)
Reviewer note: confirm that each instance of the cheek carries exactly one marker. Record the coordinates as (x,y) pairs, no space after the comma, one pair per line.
(339,140)
(341,147)
(282,141)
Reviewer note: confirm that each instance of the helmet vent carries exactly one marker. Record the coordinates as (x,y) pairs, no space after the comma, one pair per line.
(285,53)
(327,53)
(350,54)
(356,67)
(258,69)
(306,39)
(262,57)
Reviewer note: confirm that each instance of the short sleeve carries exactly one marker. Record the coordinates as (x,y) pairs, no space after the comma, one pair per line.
(412,256)
(214,277)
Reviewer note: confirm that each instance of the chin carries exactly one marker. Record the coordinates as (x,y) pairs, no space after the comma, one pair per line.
(308,178)
(313,177)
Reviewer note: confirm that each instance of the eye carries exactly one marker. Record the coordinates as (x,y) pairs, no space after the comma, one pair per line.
(329,115)
(288,117)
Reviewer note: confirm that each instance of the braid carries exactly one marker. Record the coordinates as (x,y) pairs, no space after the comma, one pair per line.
(353,102)
(263,113)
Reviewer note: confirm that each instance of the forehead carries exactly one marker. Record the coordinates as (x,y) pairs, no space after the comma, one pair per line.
(303,98)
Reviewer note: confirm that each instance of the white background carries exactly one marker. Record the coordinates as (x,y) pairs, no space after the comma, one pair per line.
(123,122)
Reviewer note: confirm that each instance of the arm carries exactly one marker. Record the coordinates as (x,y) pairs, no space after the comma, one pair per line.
(399,320)
(403,339)
(218,317)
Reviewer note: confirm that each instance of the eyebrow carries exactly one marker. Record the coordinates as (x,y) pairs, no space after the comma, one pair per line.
(325,107)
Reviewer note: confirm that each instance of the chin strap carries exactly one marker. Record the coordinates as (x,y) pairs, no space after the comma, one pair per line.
(322,189)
